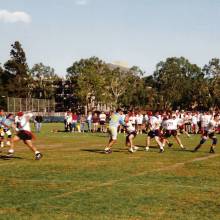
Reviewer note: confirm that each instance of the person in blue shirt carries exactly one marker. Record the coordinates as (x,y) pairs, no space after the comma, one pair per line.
(115,121)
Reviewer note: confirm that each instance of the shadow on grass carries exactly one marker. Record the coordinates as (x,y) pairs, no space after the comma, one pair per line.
(183,150)
(98,151)
(5,157)
(151,147)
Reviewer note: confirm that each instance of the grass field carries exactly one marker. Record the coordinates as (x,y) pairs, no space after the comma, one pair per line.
(75,180)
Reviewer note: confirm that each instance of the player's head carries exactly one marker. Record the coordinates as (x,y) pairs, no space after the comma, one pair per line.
(119,110)
(216,117)
(10,116)
(1,111)
(20,114)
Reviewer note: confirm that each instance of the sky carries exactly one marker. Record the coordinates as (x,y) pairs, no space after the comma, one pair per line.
(137,32)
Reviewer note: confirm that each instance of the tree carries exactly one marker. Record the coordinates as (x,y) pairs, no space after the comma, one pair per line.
(212,72)
(87,77)
(43,81)
(16,72)
(176,81)
(2,89)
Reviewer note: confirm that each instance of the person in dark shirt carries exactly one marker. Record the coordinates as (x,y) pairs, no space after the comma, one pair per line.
(38,123)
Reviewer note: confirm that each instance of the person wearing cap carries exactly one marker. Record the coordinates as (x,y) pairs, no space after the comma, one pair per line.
(24,133)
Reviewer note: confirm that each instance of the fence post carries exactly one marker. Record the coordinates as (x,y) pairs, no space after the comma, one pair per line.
(14,105)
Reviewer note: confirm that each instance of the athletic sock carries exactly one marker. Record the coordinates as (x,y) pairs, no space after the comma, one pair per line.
(11,151)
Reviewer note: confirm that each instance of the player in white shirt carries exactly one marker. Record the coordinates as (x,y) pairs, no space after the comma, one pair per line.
(170,127)
(102,121)
(24,133)
(131,134)
(195,127)
(209,132)
(154,126)
(6,124)
(181,125)
(139,122)
(205,119)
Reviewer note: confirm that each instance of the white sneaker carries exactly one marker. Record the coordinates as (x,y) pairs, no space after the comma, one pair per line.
(131,150)
(135,148)
(161,150)
(8,143)
(147,148)
(182,147)
(2,144)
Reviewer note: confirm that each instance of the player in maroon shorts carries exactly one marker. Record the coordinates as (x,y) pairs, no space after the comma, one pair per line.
(24,133)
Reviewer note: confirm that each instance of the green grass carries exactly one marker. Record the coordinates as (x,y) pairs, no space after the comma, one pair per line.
(74,180)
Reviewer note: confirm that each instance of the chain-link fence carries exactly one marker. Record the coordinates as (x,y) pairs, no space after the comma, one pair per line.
(30,104)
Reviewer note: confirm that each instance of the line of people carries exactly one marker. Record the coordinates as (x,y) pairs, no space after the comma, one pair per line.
(161,127)
(189,122)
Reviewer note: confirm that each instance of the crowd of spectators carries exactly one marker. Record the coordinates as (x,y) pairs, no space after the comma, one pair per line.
(191,121)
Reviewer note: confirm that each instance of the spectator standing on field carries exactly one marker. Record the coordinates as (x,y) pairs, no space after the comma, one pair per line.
(74,122)
(89,121)
(82,123)
(95,122)
(102,119)
(38,123)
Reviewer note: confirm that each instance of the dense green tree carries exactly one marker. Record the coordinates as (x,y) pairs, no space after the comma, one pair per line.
(176,83)
(44,81)
(212,71)
(16,77)
(87,77)
(2,89)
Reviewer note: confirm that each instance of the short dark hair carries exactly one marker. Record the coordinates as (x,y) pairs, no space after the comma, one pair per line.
(118,110)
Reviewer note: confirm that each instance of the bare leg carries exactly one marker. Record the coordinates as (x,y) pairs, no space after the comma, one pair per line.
(14,139)
(30,145)
(147,143)
(179,141)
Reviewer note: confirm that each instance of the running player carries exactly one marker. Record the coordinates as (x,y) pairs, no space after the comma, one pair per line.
(170,129)
(6,125)
(209,132)
(116,120)
(154,126)
(131,134)
(24,133)
(2,134)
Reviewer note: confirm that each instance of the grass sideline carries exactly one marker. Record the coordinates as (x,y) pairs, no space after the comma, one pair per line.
(75,180)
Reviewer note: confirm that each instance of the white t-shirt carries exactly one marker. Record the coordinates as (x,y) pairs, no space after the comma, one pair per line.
(139,119)
(130,127)
(205,119)
(154,123)
(102,117)
(170,124)
(23,122)
(132,119)
(194,119)
(212,125)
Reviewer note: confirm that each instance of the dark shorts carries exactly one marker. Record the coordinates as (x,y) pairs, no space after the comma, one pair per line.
(102,122)
(207,134)
(25,135)
(134,133)
(154,133)
(169,133)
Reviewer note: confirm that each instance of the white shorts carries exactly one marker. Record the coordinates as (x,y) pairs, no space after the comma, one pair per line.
(113,131)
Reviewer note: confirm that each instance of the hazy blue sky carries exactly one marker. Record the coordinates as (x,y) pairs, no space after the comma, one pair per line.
(140,32)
